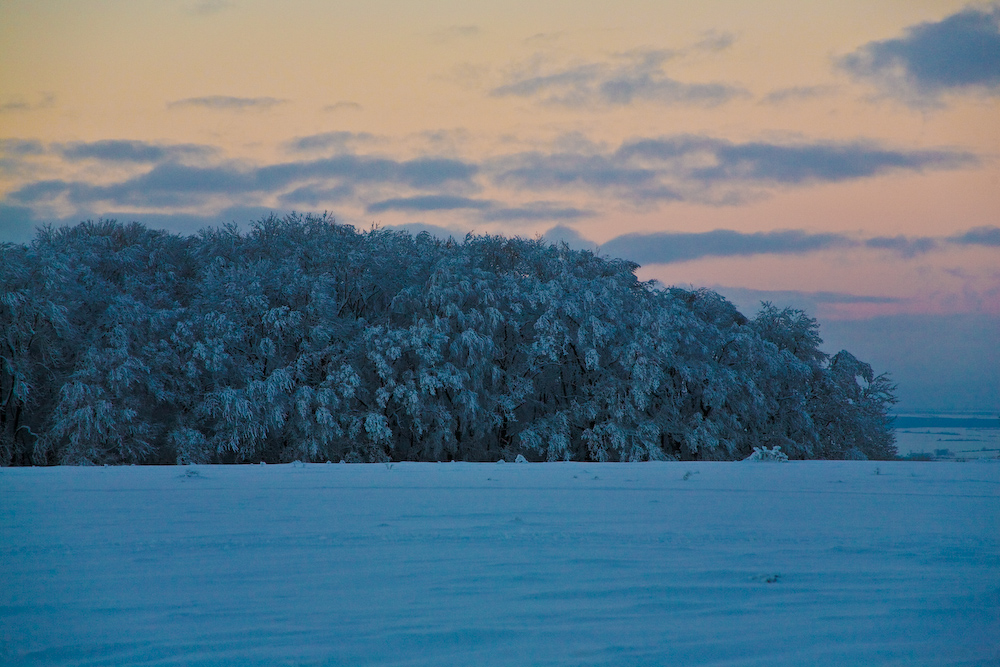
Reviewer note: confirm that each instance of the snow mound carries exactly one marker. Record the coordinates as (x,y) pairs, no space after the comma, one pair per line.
(765,454)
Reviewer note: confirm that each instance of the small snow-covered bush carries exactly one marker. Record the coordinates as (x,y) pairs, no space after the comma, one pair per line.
(765,454)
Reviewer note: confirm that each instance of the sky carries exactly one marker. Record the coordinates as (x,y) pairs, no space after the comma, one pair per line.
(836,157)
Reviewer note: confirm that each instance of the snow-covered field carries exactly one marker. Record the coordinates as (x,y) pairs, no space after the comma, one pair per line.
(802,563)
(949,442)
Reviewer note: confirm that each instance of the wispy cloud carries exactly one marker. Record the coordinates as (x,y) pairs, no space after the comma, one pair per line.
(668,247)
(636,76)
(643,173)
(454,32)
(225,103)
(16,155)
(719,160)
(544,171)
(173,184)
(427,203)
(715,41)
(44,190)
(905,245)
(21,147)
(131,151)
(15,105)
(985,236)
(960,53)
(797,94)
(825,304)
(314,195)
(47,101)
(796,297)
(344,105)
(339,141)
(534,212)
(710,170)
(543,38)
(490,211)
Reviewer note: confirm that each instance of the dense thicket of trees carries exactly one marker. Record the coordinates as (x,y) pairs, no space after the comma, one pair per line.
(304,339)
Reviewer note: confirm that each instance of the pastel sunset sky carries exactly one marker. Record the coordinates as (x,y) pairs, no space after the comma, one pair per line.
(840,157)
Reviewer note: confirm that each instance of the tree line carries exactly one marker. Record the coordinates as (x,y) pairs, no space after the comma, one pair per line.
(304,339)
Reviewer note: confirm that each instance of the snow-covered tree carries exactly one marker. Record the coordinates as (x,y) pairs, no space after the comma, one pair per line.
(305,339)
(851,409)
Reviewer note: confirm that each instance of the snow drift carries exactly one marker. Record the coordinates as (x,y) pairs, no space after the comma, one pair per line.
(676,563)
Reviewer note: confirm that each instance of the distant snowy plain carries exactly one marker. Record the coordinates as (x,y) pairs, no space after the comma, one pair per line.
(681,563)
(949,442)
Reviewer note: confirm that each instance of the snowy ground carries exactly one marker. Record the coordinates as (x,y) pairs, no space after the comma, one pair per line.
(803,563)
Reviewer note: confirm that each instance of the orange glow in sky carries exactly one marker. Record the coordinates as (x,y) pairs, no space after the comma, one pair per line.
(600,119)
